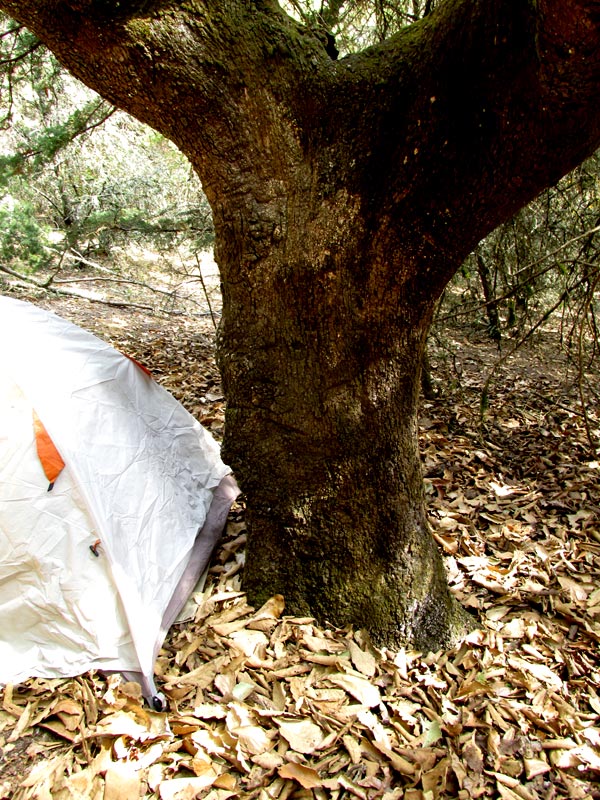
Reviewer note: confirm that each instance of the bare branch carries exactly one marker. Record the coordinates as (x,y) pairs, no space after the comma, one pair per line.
(21,56)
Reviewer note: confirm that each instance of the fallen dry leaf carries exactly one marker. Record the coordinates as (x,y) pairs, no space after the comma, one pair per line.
(302,735)
(305,776)
(121,782)
(360,688)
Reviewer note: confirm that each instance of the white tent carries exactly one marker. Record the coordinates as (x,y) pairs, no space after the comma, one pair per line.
(96,557)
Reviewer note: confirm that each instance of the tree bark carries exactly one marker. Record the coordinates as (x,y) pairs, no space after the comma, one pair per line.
(345,195)
(322,386)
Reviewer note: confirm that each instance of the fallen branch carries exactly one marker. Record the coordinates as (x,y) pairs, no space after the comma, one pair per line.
(153,289)
(113,303)
(26,280)
(21,277)
(75,255)
(52,283)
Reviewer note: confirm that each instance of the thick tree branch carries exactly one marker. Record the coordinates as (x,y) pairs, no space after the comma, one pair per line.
(485,107)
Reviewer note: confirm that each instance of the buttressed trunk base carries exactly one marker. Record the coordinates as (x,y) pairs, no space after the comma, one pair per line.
(336,518)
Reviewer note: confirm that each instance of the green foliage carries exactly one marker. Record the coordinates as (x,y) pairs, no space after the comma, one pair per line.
(23,242)
(92,177)
(356,24)
(39,146)
(548,254)
(20,53)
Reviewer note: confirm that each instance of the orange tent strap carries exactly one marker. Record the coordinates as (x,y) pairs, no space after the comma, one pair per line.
(49,456)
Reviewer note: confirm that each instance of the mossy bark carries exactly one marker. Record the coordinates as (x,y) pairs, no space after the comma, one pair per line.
(321,368)
(321,430)
(345,195)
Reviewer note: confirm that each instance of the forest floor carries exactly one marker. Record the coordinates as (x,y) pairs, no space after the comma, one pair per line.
(264,705)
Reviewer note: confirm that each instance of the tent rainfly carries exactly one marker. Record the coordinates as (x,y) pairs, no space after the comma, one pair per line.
(112,498)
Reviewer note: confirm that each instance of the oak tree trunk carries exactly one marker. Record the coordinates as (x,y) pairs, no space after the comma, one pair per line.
(345,196)
(322,387)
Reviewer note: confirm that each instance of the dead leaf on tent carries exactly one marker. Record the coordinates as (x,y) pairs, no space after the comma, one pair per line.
(307,777)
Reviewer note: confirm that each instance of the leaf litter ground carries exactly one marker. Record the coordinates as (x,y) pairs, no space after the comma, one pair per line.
(264,705)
